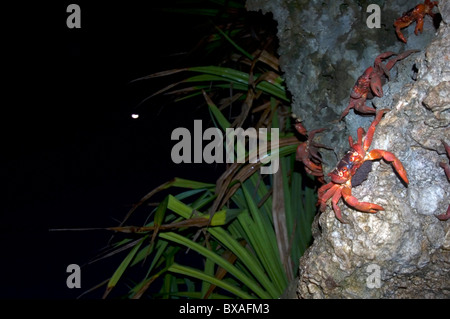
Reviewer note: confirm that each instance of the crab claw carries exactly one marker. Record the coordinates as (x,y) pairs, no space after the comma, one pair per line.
(400,24)
(376,86)
(300,128)
(380,69)
(445,216)
(391,158)
(361,206)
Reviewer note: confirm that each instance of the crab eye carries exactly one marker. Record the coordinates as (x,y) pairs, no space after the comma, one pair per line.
(344,169)
(340,174)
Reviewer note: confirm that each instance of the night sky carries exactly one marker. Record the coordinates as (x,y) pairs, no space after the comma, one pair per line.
(72,155)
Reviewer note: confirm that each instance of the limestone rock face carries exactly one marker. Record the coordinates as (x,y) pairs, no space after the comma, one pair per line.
(404,251)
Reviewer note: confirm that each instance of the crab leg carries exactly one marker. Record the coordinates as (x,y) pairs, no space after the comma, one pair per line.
(399,57)
(446,168)
(385,68)
(360,133)
(324,188)
(359,105)
(300,128)
(301,152)
(371,130)
(389,157)
(313,132)
(383,56)
(444,216)
(447,148)
(361,206)
(362,107)
(302,155)
(313,151)
(314,154)
(337,211)
(313,173)
(325,193)
(350,105)
(419,26)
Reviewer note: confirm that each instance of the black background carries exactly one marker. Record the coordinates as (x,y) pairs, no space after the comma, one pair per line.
(72,156)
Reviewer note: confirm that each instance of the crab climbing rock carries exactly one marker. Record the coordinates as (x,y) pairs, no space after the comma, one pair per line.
(446,168)
(417,14)
(308,152)
(341,175)
(371,82)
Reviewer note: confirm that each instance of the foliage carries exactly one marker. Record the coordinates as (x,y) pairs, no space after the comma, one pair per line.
(245,234)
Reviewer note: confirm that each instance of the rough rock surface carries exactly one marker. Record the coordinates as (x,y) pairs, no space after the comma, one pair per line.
(323,49)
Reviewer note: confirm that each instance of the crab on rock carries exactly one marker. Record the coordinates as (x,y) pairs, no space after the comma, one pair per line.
(308,153)
(341,175)
(446,168)
(417,14)
(371,82)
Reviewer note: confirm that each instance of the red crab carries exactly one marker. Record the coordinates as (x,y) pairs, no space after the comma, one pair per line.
(341,176)
(417,14)
(371,82)
(308,153)
(446,168)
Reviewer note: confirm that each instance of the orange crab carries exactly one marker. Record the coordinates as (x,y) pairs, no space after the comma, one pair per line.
(308,153)
(341,175)
(446,168)
(417,14)
(371,82)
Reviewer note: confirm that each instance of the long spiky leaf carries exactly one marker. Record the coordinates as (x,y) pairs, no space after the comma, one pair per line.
(234,44)
(122,267)
(188,271)
(250,283)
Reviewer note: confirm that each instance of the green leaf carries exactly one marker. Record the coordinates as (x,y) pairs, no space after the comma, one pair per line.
(192,192)
(226,73)
(206,198)
(160,212)
(206,78)
(249,282)
(248,55)
(276,89)
(209,270)
(122,267)
(245,257)
(264,242)
(186,183)
(188,271)
(219,218)
(223,122)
